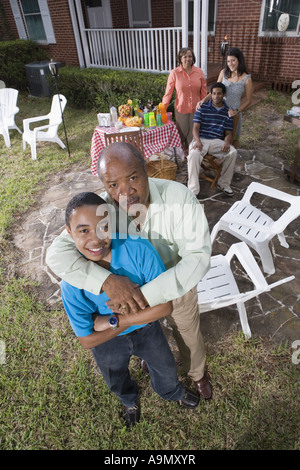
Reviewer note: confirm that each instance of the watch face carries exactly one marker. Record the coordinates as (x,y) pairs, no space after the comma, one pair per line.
(283,22)
(113,322)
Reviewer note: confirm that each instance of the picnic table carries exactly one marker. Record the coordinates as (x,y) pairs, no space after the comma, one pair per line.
(155,140)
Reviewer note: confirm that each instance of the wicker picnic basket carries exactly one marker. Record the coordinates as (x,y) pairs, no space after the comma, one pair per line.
(161,169)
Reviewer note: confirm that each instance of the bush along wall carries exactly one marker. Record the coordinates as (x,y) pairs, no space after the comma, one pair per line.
(14,55)
(100,89)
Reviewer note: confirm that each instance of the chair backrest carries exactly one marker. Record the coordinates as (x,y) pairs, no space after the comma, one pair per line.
(131,137)
(8,101)
(2,84)
(55,115)
(57,107)
(291,213)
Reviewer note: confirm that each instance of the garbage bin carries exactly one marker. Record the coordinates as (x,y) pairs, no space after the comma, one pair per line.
(38,78)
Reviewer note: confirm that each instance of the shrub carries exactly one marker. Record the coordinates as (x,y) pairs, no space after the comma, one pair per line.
(22,52)
(100,89)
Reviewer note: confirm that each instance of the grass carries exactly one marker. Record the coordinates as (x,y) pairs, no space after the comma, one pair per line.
(263,126)
(51,393)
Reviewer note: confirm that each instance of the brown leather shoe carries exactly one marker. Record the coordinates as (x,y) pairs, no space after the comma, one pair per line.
(204,387)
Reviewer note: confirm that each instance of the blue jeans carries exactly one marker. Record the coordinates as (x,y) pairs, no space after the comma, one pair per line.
(148,343)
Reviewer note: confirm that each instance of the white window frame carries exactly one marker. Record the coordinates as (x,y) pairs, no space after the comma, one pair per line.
(176,21)
(147,23)
(285,34)
(21,23)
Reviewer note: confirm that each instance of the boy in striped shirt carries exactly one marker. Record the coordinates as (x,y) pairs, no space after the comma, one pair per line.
(212,133)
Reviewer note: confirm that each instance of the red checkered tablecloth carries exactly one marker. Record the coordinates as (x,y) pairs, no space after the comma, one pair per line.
(154,140)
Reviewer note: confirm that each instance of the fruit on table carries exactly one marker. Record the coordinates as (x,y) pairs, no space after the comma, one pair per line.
(124,110)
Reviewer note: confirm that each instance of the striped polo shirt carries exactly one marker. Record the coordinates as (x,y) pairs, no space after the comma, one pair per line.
(213,121)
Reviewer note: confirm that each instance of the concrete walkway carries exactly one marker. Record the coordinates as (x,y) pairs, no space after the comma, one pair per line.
(274,315)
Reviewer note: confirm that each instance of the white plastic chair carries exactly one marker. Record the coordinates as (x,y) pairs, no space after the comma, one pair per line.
(8,109)
(48,132)
(249,224)
(219,288)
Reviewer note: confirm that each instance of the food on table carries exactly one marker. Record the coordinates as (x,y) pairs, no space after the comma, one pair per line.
(134,121)
(122,119)
(124,110)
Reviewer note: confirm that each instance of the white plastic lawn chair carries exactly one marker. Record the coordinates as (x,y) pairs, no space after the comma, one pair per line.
(48,132)
(249,224)
(219,289)
(8,109)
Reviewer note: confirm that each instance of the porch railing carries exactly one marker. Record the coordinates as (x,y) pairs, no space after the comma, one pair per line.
(147,49)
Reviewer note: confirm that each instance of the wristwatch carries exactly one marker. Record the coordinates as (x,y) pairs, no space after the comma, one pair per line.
(113,321)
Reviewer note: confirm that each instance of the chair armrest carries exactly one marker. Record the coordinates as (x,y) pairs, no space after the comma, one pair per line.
(11,111)
(36,119)
(27,121)
(41,128)
(233,299)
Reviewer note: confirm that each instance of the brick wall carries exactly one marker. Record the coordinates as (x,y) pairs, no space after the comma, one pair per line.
(119,13)
(274,61)
(7,23)
(65,48)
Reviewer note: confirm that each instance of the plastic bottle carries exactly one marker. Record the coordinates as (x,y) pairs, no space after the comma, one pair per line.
(152,122)
(163,113)
(146,119)
(114,115)
(159,120)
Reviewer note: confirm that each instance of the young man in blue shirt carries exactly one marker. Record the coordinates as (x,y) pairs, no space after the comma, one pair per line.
(115,338)
(212,133)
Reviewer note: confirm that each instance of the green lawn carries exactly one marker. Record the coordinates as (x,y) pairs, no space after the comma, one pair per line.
(51,394)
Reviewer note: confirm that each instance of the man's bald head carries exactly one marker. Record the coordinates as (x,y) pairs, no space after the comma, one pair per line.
(120,150)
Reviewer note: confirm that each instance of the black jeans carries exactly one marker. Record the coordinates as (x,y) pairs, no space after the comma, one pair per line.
(148,343)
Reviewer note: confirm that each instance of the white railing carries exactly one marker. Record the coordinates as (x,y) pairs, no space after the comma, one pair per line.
(147,49)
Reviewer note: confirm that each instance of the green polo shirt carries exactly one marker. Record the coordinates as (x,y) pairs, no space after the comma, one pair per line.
(176,226)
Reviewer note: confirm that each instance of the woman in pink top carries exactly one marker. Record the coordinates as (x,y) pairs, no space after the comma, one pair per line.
(190,85)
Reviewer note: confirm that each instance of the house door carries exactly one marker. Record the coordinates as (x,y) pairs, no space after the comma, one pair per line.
(99,13)
(139,13)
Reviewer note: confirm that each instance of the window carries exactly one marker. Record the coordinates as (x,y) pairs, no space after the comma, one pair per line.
(212,8)
(270,13)
(33,20)
(36,17)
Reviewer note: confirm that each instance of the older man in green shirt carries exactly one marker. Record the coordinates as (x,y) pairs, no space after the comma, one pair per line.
(170,216)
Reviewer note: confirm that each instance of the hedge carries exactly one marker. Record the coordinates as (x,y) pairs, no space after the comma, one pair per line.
(14,55)
(100,89)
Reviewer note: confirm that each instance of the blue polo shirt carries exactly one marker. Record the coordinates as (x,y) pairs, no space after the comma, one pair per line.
(133,257)
(213,121)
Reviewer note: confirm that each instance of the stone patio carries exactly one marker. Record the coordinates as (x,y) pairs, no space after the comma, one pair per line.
(274,315)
